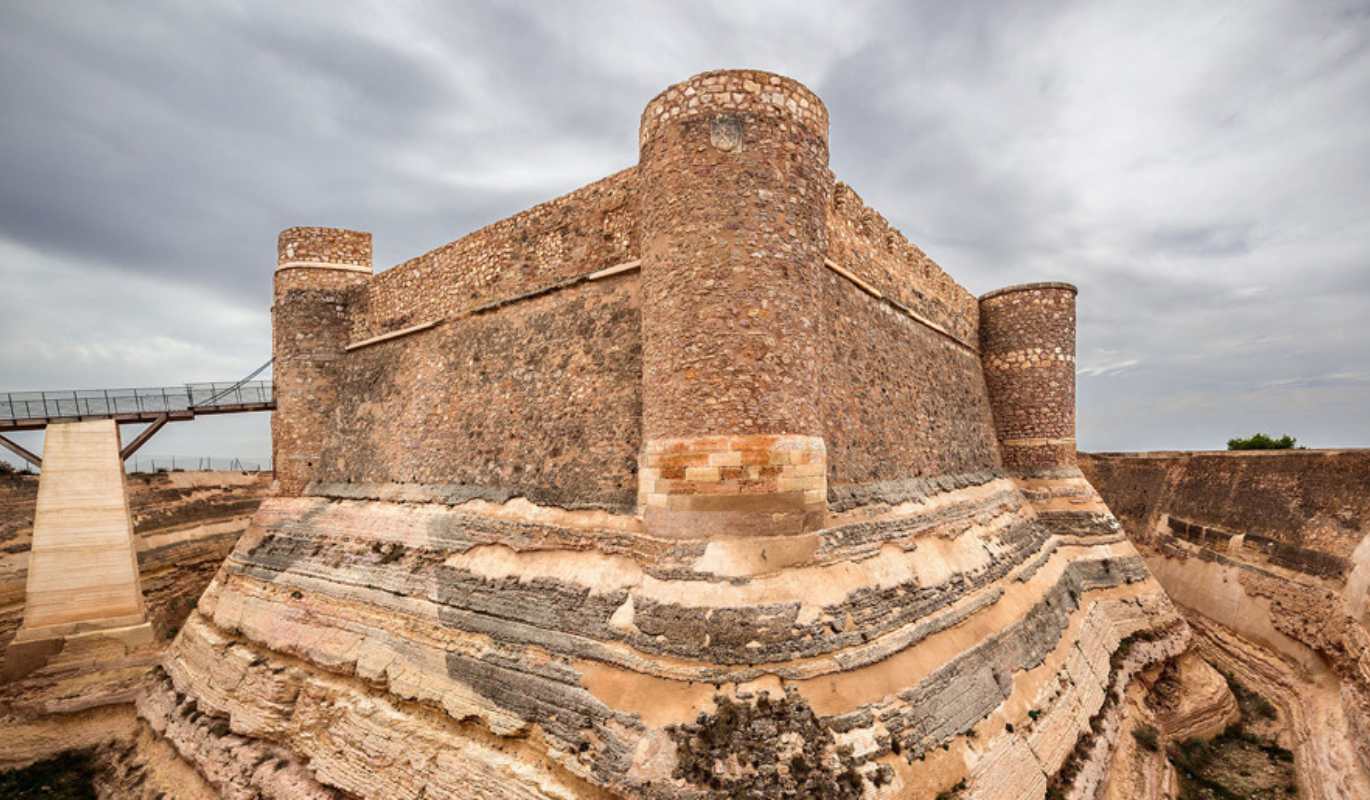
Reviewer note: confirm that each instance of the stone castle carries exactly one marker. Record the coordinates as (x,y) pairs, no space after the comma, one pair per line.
(698,481)
(722,340)
(702,481)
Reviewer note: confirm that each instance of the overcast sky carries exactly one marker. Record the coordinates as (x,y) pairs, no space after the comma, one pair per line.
(1201,171)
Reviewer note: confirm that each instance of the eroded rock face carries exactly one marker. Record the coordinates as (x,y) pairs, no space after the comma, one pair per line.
(81,696)
(972,637)
(1268,556)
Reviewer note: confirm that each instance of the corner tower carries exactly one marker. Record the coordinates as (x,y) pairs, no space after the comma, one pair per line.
(318,273)
(734,187)
(1027,348)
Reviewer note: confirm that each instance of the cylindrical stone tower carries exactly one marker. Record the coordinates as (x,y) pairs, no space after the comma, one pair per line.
(1027,348)
(733,189)
(318,270)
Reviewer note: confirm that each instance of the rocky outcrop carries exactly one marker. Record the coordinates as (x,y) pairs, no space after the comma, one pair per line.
(1267,554)
(981,636)
(80,697)
(1189,699)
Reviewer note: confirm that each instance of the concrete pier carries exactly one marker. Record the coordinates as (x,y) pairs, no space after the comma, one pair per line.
(83,568)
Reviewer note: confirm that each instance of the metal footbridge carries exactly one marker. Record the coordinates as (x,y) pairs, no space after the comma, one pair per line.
(31,411)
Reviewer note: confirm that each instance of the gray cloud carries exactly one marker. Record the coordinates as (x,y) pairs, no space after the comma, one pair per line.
(1201,171)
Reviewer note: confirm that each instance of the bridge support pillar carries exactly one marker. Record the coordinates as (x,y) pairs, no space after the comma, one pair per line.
(83,583)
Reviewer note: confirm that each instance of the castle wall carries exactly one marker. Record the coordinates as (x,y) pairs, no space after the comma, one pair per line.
(899,401)
(539,398)
(589,229)
(751,363)
(863,243)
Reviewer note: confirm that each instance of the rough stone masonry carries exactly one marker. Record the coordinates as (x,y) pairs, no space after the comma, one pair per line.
(699,481)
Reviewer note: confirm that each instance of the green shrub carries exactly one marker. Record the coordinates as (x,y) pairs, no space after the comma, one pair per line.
(1262,441)
(1148,737)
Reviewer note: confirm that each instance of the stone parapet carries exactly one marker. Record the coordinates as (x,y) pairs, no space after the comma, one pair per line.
(736,91)
(316,247)
(863,243)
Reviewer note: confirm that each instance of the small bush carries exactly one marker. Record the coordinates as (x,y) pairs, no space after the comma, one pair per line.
(1148,737)
(1262,441)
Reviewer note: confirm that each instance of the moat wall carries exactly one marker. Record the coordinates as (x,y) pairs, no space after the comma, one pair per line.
(1269,555)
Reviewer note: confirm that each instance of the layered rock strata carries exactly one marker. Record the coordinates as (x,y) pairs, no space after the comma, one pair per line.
(505,652)
(184,524)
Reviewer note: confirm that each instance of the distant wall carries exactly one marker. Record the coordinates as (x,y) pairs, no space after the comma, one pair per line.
(899,400)
(586,230)
(1318,500)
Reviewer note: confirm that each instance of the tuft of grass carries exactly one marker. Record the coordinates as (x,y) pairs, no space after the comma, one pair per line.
(1148,737)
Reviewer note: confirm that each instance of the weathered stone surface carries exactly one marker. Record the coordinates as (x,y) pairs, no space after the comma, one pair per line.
(900,635)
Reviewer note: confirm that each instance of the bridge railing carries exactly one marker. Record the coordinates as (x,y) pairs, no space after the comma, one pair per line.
(152,464)
(112,402)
